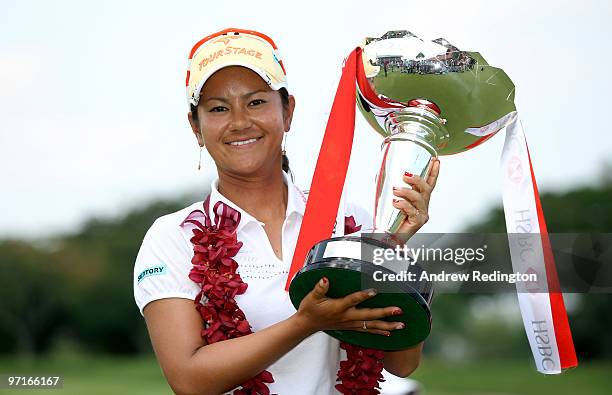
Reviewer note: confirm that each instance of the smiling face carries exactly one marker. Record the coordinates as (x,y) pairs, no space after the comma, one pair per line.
(241,122)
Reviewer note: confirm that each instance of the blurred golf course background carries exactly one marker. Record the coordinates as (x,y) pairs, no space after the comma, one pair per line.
(66,308)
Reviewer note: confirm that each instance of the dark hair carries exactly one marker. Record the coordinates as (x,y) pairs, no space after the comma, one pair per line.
(285,100)
(284,95)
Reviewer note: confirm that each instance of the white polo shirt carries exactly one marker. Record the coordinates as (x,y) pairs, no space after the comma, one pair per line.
(164,261)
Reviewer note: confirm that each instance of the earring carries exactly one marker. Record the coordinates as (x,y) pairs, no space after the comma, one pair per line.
(200,160)
(284,151)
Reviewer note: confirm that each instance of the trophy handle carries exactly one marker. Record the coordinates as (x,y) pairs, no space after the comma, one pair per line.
(415,135)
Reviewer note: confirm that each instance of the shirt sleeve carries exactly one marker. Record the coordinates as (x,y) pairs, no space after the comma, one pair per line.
(163,263)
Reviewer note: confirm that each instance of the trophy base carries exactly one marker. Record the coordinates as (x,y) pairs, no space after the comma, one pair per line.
(346,275)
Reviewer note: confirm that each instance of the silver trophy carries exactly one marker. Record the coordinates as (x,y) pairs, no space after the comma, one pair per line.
(426,98)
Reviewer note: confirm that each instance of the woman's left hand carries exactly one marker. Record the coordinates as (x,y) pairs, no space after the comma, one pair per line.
(415,201)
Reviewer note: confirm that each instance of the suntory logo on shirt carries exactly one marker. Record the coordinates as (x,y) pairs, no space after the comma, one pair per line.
(152,271)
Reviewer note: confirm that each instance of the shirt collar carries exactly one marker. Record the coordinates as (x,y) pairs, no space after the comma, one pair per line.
(296,199)
(296,202)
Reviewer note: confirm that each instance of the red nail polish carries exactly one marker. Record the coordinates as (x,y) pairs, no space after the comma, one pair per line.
(395,188)
(408,174)
(395,200)
(324,279)
(387,333)
(397,312)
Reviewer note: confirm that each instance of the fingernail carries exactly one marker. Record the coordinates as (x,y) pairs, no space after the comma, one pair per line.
(323,281)
(400,326)
(397,311)
(395,188)
(387,333)
(395,200)
(371,292)
(408,174)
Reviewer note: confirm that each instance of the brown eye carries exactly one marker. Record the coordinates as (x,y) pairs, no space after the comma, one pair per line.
(256,102)
(218,109)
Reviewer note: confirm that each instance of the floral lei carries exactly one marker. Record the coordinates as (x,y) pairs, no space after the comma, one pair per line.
(214,270)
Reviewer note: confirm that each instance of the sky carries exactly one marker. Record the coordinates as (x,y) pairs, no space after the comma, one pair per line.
(93,108)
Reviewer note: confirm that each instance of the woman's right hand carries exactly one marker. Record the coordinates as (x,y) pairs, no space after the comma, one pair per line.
(320,312)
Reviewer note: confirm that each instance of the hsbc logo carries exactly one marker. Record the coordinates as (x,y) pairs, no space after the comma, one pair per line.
(532,286)
(514,170)
(543,342)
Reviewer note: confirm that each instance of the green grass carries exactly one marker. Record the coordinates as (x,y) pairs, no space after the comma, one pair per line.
(511,377)
(105,375)
(93,376)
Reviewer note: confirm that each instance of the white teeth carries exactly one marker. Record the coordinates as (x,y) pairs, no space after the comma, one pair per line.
(236,143)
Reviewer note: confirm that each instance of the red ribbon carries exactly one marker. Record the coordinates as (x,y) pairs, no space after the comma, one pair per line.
(563,333)
(331,168)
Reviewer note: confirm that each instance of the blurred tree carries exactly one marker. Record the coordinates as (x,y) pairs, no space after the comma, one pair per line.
(583,210)
(106,316)
(77,285)
(30,298)
(587,209)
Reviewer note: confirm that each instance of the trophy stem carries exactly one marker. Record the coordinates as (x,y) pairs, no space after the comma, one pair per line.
(415,135)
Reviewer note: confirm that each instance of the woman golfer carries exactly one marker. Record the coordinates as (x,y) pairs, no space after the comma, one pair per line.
(209,279)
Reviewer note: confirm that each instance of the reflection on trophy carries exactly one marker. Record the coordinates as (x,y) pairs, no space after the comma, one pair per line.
(434,100)
(426,98)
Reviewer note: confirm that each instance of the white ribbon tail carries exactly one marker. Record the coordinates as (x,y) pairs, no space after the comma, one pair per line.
(541,303)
